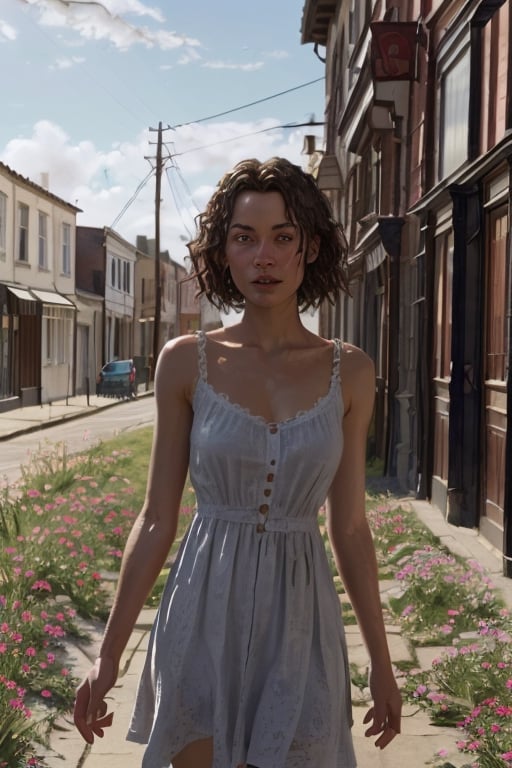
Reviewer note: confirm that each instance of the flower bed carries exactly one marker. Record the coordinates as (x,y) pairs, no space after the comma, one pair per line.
(447,599)
(61,528)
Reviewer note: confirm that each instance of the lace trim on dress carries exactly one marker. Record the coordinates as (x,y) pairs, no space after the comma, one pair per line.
(301,415)
(201,353)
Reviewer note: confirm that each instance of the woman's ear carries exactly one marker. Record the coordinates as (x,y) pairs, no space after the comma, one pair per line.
(314,247)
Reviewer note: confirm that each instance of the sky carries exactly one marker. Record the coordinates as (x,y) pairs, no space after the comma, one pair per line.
(85,85)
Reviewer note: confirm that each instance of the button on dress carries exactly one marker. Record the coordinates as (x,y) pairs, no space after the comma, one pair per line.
(248,645)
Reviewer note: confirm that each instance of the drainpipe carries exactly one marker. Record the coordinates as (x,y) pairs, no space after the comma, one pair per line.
(390,231)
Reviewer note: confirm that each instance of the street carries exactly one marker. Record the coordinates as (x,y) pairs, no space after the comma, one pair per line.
(78,434)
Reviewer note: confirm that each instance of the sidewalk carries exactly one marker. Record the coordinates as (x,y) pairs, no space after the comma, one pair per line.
(20,421)
(419,740)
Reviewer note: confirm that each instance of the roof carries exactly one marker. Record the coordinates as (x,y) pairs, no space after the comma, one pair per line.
(316,18)
(36,187)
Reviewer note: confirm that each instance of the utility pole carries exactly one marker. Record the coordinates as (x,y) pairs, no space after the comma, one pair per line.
(158,278)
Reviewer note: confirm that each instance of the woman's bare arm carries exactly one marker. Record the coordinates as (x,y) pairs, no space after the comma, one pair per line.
(153,532)
(353,547)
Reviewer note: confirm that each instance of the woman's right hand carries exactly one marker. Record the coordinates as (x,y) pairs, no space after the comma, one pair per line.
(90,711)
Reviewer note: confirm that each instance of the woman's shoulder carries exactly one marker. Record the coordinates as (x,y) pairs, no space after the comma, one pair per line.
(355,357)
(357,373)
(177,366)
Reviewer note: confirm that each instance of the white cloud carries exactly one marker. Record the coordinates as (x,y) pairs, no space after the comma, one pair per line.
(67,63)
(251,67)
(7,32)
(191,54)
(103,21)
(102,181)
(276,54)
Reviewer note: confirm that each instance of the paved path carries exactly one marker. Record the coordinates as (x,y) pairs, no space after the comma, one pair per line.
(419,740)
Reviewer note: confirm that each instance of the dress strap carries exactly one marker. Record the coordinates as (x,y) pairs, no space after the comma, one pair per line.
(338,346)
(201,353)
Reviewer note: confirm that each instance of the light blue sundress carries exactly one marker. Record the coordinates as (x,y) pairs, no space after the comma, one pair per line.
(248,644)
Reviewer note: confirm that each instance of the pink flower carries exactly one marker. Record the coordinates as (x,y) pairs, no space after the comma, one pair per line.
(46,693)
(42,585)
(33,493)
(30,651)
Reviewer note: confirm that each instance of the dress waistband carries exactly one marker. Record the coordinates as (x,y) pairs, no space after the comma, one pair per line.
(252,516)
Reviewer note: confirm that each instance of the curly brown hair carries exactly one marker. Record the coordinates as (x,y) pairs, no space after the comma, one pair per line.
(305,204)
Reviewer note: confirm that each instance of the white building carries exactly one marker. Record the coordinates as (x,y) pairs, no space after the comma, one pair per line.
(37,258)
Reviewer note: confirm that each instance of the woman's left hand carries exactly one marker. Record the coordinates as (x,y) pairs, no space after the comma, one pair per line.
(385,714)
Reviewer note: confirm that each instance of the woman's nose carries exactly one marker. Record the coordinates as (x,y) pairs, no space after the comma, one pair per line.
(263,256)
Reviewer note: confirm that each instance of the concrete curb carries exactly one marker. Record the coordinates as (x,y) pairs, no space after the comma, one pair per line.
(44,423)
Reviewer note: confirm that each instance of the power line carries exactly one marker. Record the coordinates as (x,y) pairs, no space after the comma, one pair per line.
(246,135)
(179,206)
(132,198)
(251,104)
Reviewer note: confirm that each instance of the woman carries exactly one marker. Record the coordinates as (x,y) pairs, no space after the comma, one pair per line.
(247,664)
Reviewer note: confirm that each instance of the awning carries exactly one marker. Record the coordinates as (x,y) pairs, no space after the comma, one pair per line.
(19,300)
(21,293)
(50,297)
(329,173)
(375,258)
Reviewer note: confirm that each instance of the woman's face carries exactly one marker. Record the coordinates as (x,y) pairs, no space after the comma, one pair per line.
(263,249)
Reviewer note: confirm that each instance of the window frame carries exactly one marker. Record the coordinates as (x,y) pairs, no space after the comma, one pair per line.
(3,226)
(66,248)
(42,240)
(23,230)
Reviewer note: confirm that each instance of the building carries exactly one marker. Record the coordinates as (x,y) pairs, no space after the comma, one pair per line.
(105,284)
(37,259)
(171,274)
(417,162)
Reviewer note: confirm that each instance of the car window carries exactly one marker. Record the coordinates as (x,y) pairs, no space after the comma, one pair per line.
(118,366)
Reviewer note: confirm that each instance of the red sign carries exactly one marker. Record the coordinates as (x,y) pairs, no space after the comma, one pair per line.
(393,50)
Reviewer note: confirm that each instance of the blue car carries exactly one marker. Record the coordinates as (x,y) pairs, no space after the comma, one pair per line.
(117,379)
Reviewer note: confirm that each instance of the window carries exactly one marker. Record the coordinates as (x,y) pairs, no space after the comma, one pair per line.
(126,277)
(494,58)
(22,232)
(57,329)
(66,249)
(498,279)
(3,225)
(119,274)
(443,306)
(43,241)
(454,113)
(113,272)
